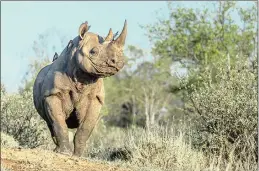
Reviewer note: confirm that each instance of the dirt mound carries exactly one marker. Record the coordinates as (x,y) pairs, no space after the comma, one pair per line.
(43,160)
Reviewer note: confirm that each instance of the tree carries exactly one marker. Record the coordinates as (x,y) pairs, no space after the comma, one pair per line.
(138,96)
(198,38)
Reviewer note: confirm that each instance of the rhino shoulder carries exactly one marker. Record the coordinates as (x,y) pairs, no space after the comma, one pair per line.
(56,82)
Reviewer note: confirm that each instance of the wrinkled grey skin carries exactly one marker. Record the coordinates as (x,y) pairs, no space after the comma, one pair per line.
(69,92)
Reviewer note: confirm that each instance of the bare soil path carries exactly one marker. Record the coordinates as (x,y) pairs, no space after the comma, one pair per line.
(43,160)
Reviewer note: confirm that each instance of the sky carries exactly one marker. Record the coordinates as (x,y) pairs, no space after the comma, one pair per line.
(22,23)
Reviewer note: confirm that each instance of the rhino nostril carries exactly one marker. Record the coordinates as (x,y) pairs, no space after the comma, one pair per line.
(113,61)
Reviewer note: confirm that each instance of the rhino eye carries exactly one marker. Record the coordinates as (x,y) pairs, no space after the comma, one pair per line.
(94,51)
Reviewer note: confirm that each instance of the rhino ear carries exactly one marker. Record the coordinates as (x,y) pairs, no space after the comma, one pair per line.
(83,29)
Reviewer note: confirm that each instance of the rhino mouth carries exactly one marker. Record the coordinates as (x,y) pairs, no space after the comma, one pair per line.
(104,70)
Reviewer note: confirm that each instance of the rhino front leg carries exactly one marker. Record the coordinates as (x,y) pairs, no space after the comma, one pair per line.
(58,125)
(86,126)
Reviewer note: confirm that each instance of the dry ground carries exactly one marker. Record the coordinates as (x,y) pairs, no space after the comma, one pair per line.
(43,160)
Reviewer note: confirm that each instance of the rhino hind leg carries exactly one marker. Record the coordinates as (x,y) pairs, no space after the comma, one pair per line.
(57,125)
(52,134)
(86,127)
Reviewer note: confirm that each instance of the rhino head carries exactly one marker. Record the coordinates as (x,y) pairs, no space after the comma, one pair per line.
(100,57)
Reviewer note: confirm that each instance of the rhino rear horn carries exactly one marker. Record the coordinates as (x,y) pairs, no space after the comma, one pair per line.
(109,37)
(120,41)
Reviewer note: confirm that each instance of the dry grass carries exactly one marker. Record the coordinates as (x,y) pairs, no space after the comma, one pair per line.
(160,149)
(137,149)
(8,141)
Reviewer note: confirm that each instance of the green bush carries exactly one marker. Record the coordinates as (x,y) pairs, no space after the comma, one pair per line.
(225,107)
(19,119)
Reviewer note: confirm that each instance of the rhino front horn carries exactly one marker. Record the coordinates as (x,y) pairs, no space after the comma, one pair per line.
(120,41)
(109,37)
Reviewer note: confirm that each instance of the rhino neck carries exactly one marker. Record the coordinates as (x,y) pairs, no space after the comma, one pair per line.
(77,75)
(73,71)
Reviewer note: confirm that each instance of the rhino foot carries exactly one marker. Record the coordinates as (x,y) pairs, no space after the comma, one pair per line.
(65,151)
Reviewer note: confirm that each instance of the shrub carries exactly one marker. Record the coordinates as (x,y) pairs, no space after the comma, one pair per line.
(225,106)
(20,119)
